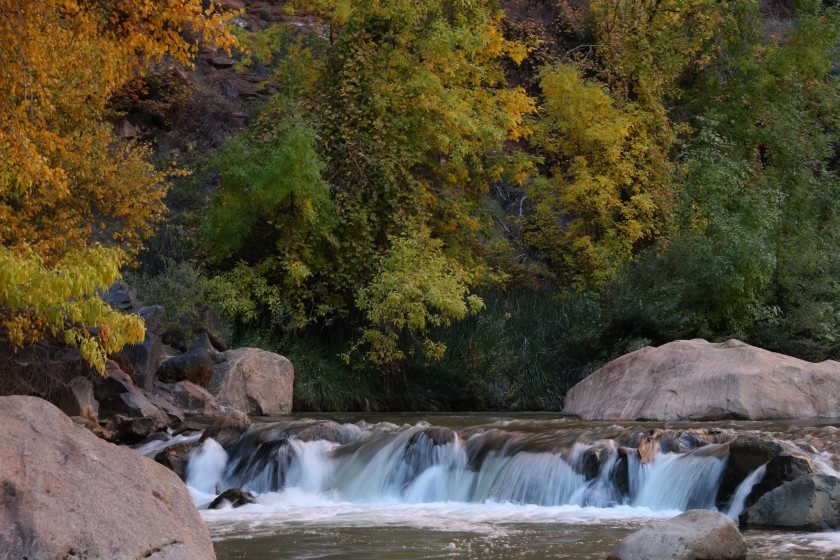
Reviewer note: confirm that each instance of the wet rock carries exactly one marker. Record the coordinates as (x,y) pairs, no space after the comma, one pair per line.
(228,429)
(254,381)
(67,494)
(595,456)
(698,380)
(649,446)
(326,430)
(809,503)
(195,366)
(176,457)
(262,465)
(233,497)
(747,453)
(694,535)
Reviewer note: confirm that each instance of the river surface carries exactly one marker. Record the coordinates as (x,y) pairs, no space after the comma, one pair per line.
(475,486)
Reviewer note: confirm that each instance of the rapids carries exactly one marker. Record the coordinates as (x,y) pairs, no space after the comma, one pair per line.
(478,487)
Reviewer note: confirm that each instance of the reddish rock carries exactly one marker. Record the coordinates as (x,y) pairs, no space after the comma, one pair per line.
(68,494)
(697,534)
(254,381)
(698,380)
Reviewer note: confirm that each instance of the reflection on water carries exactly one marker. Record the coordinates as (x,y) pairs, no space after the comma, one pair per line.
(474,487)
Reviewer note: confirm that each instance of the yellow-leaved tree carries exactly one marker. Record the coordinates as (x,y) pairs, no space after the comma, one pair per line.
(75,201)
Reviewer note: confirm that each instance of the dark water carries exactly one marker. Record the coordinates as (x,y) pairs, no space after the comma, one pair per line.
(332,505)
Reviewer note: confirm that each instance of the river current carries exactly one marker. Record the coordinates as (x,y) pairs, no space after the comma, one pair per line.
(478,486)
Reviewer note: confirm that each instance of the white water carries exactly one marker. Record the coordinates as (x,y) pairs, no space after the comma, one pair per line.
(384,489)
(424,465)
(743,491)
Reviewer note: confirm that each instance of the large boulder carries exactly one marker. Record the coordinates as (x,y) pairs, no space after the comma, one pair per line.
(699,380)
(254,381)
(697,534)
(68,494)
(809,503)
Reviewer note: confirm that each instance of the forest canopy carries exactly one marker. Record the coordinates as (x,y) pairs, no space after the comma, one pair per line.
(493,196)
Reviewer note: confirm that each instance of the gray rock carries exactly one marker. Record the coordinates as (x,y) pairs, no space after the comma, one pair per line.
(234,497)
(190,398)
(118,295)
(809,503)
(698,380)
(697,534)
(144,359)
(194,365)
(67,494)
(784,463)
(254,381)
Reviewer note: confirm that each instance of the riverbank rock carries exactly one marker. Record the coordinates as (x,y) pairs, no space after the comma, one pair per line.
(254,381)
(697,534)
(699,380)
(228,429)
(232,497)
(809,503)
(67,494)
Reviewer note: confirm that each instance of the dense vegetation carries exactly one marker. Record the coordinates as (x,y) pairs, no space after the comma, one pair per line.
(448,204)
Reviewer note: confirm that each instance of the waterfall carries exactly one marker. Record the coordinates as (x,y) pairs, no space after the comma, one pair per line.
(743,490)
(385,463)
(207,463)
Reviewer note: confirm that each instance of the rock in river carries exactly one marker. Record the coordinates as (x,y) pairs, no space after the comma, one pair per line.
(697,534)
(699,380)
(68,494)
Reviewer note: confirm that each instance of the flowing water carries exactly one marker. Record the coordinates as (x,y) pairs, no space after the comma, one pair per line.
(477,486)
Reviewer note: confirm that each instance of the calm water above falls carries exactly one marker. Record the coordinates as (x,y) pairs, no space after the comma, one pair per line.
(473,486)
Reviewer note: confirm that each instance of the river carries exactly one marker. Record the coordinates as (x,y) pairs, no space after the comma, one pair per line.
(477,486)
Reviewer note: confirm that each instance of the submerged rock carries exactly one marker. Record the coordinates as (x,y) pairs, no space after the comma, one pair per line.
(698,380)
(694,535)
(234,497)
(68,494)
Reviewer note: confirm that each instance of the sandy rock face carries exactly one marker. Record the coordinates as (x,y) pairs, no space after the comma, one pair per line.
(254,381)
(64,493)
(699,380)
(697,534)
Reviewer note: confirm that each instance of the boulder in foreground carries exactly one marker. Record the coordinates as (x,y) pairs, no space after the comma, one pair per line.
(68,494)
(254,381)
(699,380)
(697,534)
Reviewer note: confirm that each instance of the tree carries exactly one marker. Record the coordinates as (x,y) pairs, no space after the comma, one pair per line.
(412,112)
(596,208)
(75,201)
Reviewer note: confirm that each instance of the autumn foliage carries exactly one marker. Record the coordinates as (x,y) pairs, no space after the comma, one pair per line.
(75,202)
